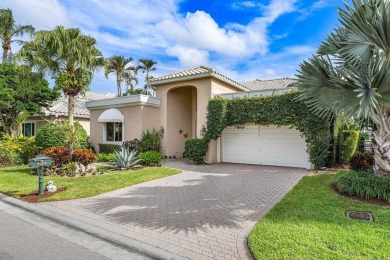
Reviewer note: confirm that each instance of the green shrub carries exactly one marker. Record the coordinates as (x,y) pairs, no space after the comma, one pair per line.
(17,149)
(349,145)
(108,148)
(361,161)
(59,155)
(52,134)
(365,185)
(106,157)
(150,141)
(195,150)
(83,156)
(133,145)
(150,158)
(69,169)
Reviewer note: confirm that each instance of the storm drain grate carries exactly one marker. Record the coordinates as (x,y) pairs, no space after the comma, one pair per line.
(363,216)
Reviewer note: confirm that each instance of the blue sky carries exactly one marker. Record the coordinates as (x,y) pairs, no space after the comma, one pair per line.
(244,40)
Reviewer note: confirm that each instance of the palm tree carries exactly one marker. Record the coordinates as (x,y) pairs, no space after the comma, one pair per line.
(147,65)
(118,65)
(129,77)
(350,75)
(8,30)
(70,57)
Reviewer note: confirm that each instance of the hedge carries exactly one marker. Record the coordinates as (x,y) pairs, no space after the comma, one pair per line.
(282,109)
(349,145)
(108,148)
(195,150)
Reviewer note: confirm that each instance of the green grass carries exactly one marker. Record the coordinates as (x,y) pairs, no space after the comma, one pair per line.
(310,223)
(17,182)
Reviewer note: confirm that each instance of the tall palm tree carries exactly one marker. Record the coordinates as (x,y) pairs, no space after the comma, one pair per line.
(8,30)
(117,64)
(69,56)
(350,75)
(146,65)
(131,80)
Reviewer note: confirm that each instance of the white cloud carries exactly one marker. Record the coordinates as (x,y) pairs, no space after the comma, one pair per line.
(200,31)
(319,4)
(270,72)
(189,57)
(277,8)
(42,14)
(155,29)
(244,4)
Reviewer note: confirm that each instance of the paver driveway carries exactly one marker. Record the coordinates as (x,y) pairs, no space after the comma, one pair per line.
(206,212)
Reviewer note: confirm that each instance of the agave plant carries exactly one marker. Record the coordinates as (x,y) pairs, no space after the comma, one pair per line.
(126,158)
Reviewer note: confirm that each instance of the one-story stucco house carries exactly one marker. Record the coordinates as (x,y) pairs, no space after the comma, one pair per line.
(179,112)
(59,109)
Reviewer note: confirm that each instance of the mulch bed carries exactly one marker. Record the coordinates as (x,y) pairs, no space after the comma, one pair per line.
(371,201)
(34,197)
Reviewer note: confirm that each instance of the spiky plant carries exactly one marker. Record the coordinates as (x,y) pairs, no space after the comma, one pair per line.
(126,158)
(350,75)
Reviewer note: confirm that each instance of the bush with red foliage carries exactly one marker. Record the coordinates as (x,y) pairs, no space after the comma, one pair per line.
(59,154)
(5,161)
(83,156)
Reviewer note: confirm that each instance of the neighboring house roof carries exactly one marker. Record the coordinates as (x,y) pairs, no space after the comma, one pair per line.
(256,85)
(60,106)
(195,73)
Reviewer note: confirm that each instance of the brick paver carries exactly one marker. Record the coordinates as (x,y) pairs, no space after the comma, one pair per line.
(206,212)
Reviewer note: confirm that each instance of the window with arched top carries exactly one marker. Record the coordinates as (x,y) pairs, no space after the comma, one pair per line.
(113,120)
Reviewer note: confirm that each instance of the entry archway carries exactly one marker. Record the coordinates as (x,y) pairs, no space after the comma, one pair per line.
(181,118)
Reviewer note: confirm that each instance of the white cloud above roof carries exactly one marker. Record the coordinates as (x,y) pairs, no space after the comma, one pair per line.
(157,29)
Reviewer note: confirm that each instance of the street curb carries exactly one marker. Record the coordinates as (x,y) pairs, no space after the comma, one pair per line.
(103,234)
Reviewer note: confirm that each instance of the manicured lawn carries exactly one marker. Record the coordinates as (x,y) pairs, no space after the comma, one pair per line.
(310,223)
(17,182)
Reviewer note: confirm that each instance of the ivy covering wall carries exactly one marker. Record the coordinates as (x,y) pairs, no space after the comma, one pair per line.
(272,110)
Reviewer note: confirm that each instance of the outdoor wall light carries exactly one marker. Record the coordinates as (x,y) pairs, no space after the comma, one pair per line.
(161,131)
(203,130)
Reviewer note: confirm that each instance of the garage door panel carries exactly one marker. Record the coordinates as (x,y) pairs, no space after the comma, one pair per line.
(265,145)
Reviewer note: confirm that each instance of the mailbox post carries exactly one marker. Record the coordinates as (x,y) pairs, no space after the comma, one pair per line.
(39,162)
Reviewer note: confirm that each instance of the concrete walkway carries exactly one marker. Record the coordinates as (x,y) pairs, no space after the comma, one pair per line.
(206,212)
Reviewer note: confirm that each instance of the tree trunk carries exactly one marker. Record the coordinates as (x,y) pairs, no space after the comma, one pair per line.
(7,129)
(4,56)
(6,48)
(381,148)
(118,84)
(70,119)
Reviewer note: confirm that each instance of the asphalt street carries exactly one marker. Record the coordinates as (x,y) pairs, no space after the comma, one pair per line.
(27,235)
(22,240)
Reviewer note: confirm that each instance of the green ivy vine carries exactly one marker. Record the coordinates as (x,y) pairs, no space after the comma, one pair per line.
(282,109)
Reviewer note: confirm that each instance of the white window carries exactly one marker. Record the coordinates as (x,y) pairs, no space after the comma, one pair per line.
(114,132)
(28,129)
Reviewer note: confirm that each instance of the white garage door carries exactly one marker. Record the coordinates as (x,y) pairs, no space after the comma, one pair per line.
(265,145)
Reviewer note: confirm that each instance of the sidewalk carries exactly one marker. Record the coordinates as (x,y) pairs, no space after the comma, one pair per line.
(100,240)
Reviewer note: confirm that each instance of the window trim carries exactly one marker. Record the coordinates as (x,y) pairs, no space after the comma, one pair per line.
(30,122)
(105,134)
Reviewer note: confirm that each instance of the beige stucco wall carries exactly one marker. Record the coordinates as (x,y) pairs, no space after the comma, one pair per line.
(137,119)
(180,119)
(220,87)
(150,118)
(174,113)
(200,96)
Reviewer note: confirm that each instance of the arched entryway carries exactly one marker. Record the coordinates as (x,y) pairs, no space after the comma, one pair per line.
(181,119)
